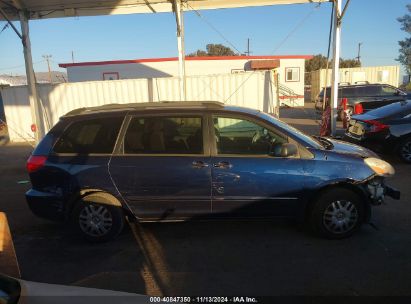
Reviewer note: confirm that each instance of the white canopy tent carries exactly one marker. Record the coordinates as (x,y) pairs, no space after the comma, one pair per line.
(25,10)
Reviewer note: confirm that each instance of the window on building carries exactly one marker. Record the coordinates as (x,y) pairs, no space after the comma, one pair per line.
(111,76)
(292,74)
(164,135)
(240,136)
(93,136)
(383,76)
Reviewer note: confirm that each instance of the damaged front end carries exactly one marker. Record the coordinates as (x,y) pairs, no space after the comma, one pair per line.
(376,187)
(377,190)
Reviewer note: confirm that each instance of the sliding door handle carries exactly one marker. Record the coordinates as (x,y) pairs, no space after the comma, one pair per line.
(199,164)
(223,165)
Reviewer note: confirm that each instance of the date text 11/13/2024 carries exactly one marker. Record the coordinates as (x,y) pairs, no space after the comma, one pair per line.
(203,300)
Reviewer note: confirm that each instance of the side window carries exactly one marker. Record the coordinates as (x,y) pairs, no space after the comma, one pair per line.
(388,91)
(367,91)
(93,136)
(348,92)
(373,90)
(240,136)
(164,135)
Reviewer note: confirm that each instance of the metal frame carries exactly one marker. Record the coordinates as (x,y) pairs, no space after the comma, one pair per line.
(179,13)
(336,64)
(68,9)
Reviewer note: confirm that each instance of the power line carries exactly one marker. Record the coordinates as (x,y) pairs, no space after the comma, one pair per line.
(213,27)
(279,45)
(19,66)
(298,25)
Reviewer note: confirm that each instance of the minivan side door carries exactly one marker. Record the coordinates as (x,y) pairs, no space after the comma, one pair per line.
(162,166)
(246,180)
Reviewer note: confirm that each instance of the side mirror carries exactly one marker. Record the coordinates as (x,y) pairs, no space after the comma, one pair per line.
(284,150)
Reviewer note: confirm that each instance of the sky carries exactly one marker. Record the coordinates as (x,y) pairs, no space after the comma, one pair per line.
(300,29)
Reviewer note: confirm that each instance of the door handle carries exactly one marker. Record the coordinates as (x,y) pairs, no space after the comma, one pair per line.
(223,165)
(199,164)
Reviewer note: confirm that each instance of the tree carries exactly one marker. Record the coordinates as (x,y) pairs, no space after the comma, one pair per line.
(214,50)
(349,63)
(319,62)
(405,45)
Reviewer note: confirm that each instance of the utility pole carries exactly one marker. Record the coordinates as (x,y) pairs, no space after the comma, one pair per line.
(179,14)
(47,58)
(248,47)
(359,52)
(336,64)
(72,56)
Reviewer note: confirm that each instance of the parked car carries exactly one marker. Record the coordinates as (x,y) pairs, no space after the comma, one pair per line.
(362,97)
(386,129)
(176,161)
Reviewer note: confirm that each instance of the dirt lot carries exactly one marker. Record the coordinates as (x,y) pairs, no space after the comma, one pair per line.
(214,258)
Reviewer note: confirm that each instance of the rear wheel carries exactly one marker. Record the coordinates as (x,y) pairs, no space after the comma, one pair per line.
(337,213)
(405,150)
(97,222)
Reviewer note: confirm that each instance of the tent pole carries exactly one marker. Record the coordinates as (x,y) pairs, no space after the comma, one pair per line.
(336,64)
(178,10)
(31,78)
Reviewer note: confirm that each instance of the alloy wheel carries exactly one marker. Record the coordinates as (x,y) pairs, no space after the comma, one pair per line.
(340,217)
(95,220)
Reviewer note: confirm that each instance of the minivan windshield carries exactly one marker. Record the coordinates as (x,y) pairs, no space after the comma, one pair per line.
(308,140)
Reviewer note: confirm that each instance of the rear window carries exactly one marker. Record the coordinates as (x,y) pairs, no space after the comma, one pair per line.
(93,136)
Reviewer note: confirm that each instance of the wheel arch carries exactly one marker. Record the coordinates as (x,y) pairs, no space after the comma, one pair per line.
(347,184)
(99,196)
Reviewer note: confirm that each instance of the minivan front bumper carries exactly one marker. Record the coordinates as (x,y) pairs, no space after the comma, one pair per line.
(45,205)
(378,190)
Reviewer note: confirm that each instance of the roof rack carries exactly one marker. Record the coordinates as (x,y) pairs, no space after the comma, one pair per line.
(147,105)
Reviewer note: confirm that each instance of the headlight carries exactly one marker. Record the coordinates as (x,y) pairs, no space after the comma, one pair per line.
(379,166)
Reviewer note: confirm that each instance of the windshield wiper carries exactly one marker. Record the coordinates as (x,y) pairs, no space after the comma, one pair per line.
(324,142)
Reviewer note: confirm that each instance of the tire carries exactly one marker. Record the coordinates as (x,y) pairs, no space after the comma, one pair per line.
(404,150)
(336,213)
(97,222)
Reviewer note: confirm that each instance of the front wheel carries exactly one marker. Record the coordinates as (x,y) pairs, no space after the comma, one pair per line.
(337,213)
(98,222)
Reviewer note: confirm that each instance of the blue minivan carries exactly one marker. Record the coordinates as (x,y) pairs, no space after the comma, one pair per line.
(173,161)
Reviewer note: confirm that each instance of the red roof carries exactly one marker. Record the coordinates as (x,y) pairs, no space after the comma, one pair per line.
(65,65)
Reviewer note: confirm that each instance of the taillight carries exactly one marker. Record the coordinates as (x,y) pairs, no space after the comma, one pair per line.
(344,103)
(358,109)
(376,126)
(35,162)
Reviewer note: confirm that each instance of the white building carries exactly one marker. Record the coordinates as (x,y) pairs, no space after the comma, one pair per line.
(290,70)
(372,74)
